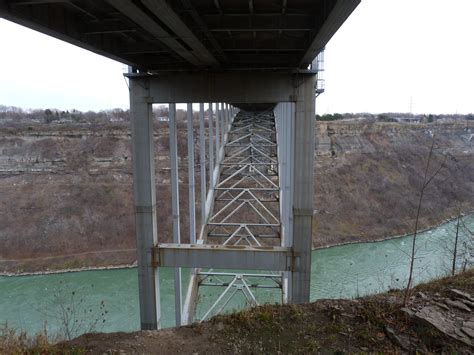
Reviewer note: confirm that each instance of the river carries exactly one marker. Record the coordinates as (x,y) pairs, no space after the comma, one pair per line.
(110,297)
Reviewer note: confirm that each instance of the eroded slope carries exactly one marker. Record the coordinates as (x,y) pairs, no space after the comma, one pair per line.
(66,191)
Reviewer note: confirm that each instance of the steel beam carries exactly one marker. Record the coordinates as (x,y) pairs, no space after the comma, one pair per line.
(202,161)
(222,132)
(165,13)
(211,146)
(201,26)
(191,182)
(143,158)
(175,206)
(273,29)
(238,88)
(336,18)
(223,257)
(191,299)
(184,46)
(218,135)
(37,2)
(303,189)
(285,114)
(65,28)
(227,117)
(137,15)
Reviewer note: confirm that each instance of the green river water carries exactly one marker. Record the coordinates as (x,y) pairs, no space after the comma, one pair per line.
(30,302)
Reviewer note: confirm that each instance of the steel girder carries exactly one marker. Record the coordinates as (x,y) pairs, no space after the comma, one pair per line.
(245,211)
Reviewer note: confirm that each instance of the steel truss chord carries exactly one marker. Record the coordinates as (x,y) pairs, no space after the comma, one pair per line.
(235,284)
(246,210)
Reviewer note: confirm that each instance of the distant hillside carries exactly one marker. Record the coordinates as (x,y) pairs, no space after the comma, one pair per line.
(66,189)
(368,177)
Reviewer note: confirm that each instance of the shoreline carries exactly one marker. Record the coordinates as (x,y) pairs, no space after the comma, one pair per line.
(134,264)
(66,271)
(381,239)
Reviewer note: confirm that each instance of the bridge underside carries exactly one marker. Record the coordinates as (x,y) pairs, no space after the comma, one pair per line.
(158,35)
(257,196)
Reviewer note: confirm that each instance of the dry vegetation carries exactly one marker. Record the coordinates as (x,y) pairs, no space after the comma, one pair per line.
(15,342)
(368,177)
(377,323)
(66,190)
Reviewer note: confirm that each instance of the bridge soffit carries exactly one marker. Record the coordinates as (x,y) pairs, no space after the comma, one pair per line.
(232,87)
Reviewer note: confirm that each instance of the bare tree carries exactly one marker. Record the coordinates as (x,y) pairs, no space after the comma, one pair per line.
(426,181)
(455,251)
(73,314)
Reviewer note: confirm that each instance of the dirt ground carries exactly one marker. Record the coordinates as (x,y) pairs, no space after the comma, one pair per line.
(379,323)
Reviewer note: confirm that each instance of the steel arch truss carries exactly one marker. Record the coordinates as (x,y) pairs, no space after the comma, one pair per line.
(246,199)
(246,209)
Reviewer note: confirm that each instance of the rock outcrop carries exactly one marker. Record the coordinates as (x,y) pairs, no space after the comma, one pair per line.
(66,191)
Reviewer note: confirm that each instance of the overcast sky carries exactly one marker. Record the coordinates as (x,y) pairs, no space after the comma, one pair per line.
(391,55)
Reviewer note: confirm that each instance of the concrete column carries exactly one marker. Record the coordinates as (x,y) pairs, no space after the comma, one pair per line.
(303,157)
(143,159)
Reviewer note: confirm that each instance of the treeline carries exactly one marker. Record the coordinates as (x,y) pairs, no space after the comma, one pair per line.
(394,117)
(12,114)
(17,115)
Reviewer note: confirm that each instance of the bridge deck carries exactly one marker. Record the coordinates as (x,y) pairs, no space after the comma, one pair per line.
(190,34)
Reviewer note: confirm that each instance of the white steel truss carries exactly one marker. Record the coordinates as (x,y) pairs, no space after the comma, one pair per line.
(256,200)
(245,213)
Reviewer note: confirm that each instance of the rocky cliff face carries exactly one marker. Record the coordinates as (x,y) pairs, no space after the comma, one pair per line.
(369,175)
(66,192)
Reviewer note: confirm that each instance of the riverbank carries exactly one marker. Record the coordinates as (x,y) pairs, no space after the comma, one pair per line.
(378,240)
(437,319)
(66,271)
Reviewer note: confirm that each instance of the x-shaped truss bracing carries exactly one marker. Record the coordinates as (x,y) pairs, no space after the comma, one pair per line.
(245,211)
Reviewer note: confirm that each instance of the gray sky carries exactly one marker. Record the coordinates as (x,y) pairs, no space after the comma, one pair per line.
(391,55)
